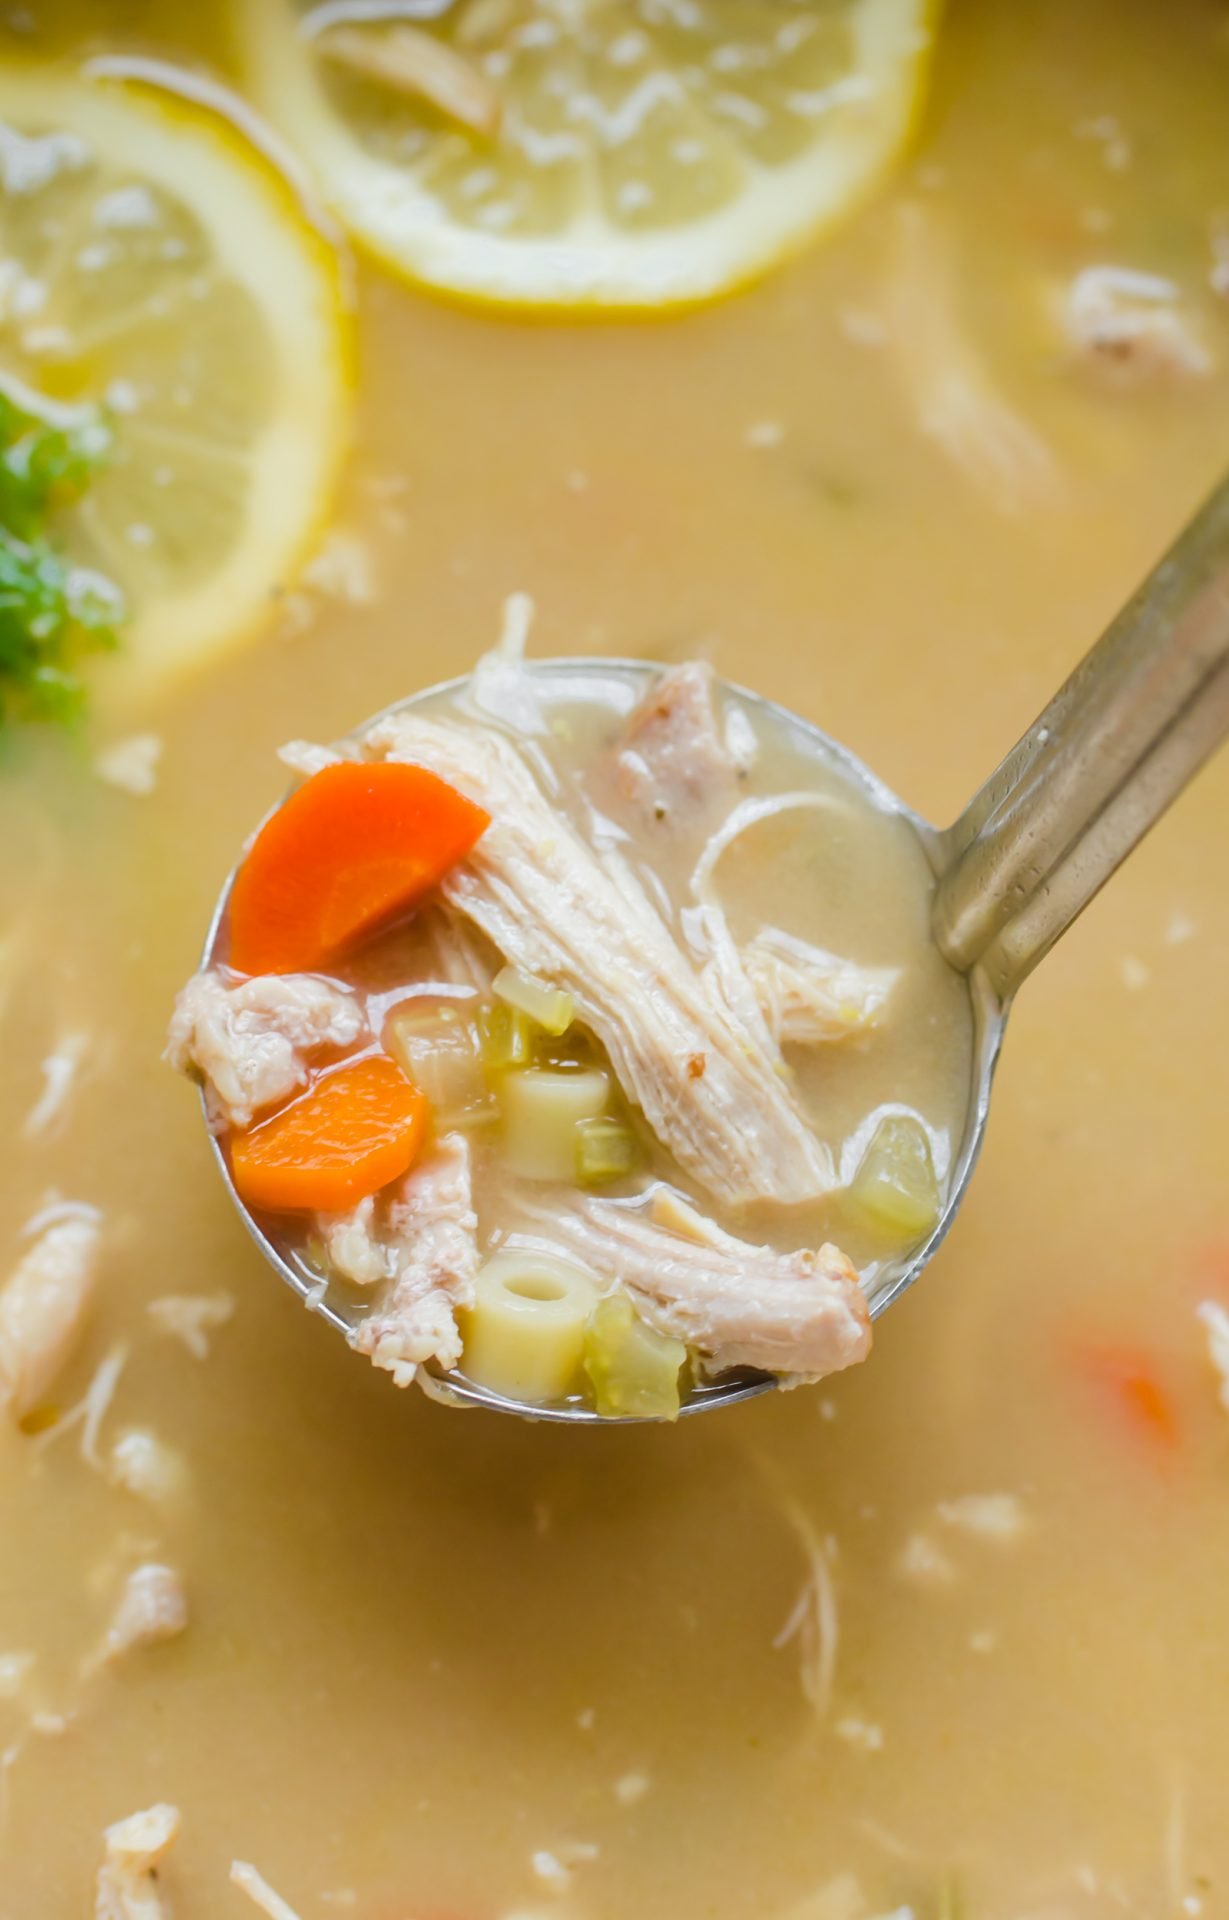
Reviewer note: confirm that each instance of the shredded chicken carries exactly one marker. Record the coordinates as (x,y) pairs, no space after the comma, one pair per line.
(693,1055)
(674,761)
(814,1621)
(251,1040)
(924,1563)
(153,1606)
(342,569)
(499,686)
(305,759)
(146,1466)
(61,1072)
(351,1246)
(127,1886)
(92,1408)
(191,1317)
(810,997)
(245,1876)
(43,1306)
(1131,325)
(433,1219)
(955,394)
(131,764)
(800,1315)
(998,1517)
(454,953)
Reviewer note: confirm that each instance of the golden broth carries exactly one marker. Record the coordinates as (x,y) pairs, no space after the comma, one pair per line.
(426,1647)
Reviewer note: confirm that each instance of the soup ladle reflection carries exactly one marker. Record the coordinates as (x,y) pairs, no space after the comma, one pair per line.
(1098,767)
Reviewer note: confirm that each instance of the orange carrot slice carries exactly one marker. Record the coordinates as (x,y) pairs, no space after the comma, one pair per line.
(359,1127)
(351,849)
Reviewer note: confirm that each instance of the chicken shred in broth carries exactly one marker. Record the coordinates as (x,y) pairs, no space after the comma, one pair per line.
(942,1637)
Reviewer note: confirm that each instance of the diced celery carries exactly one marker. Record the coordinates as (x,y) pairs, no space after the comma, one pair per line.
(895,1191)
(436,1044)
(506,1036)
(525,1333)
(606,1149)
(633,1370)
(547,1007)
(542,1109)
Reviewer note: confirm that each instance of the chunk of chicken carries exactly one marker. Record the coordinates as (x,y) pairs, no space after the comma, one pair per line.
(153,1606)
(146,1466)
(675,761)
(1131,325)
(192,1317)
(43,1306)
(251,1040)
(351,1246)
(127,1885)
(810,997)
(433,1220)
(952,389)
(799,1315)
(305,758)
(701,1066)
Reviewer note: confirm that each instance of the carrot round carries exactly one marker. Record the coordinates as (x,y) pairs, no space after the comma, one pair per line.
(359,1127)
(351,848)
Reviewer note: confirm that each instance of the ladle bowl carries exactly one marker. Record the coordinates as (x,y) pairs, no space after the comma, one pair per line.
(1114,747)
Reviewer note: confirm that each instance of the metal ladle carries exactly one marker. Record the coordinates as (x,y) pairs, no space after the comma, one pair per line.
(1114,747)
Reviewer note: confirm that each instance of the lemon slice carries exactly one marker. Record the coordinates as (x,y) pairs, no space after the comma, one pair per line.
(155,264)
(601,153)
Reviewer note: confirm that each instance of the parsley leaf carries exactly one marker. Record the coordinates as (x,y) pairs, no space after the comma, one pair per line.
(51,612)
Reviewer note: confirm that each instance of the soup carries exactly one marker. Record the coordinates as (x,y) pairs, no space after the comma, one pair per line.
(948,1629)
(596,1042)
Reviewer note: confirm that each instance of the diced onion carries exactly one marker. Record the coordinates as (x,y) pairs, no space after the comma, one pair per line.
(895,1191)
(548,1007)
(525,1333)
(435,1043)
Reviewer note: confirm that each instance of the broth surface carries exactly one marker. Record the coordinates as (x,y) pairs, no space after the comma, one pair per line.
(426,1649)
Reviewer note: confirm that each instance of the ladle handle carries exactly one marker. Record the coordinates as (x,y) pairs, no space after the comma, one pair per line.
(1138,717)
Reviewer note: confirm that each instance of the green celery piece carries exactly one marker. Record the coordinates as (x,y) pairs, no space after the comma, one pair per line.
(506,1037)
(606,1149)
(633,1370)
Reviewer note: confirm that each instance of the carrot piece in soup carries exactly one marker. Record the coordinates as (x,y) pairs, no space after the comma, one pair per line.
(351,849)
(359,1127)
(1129,1376)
